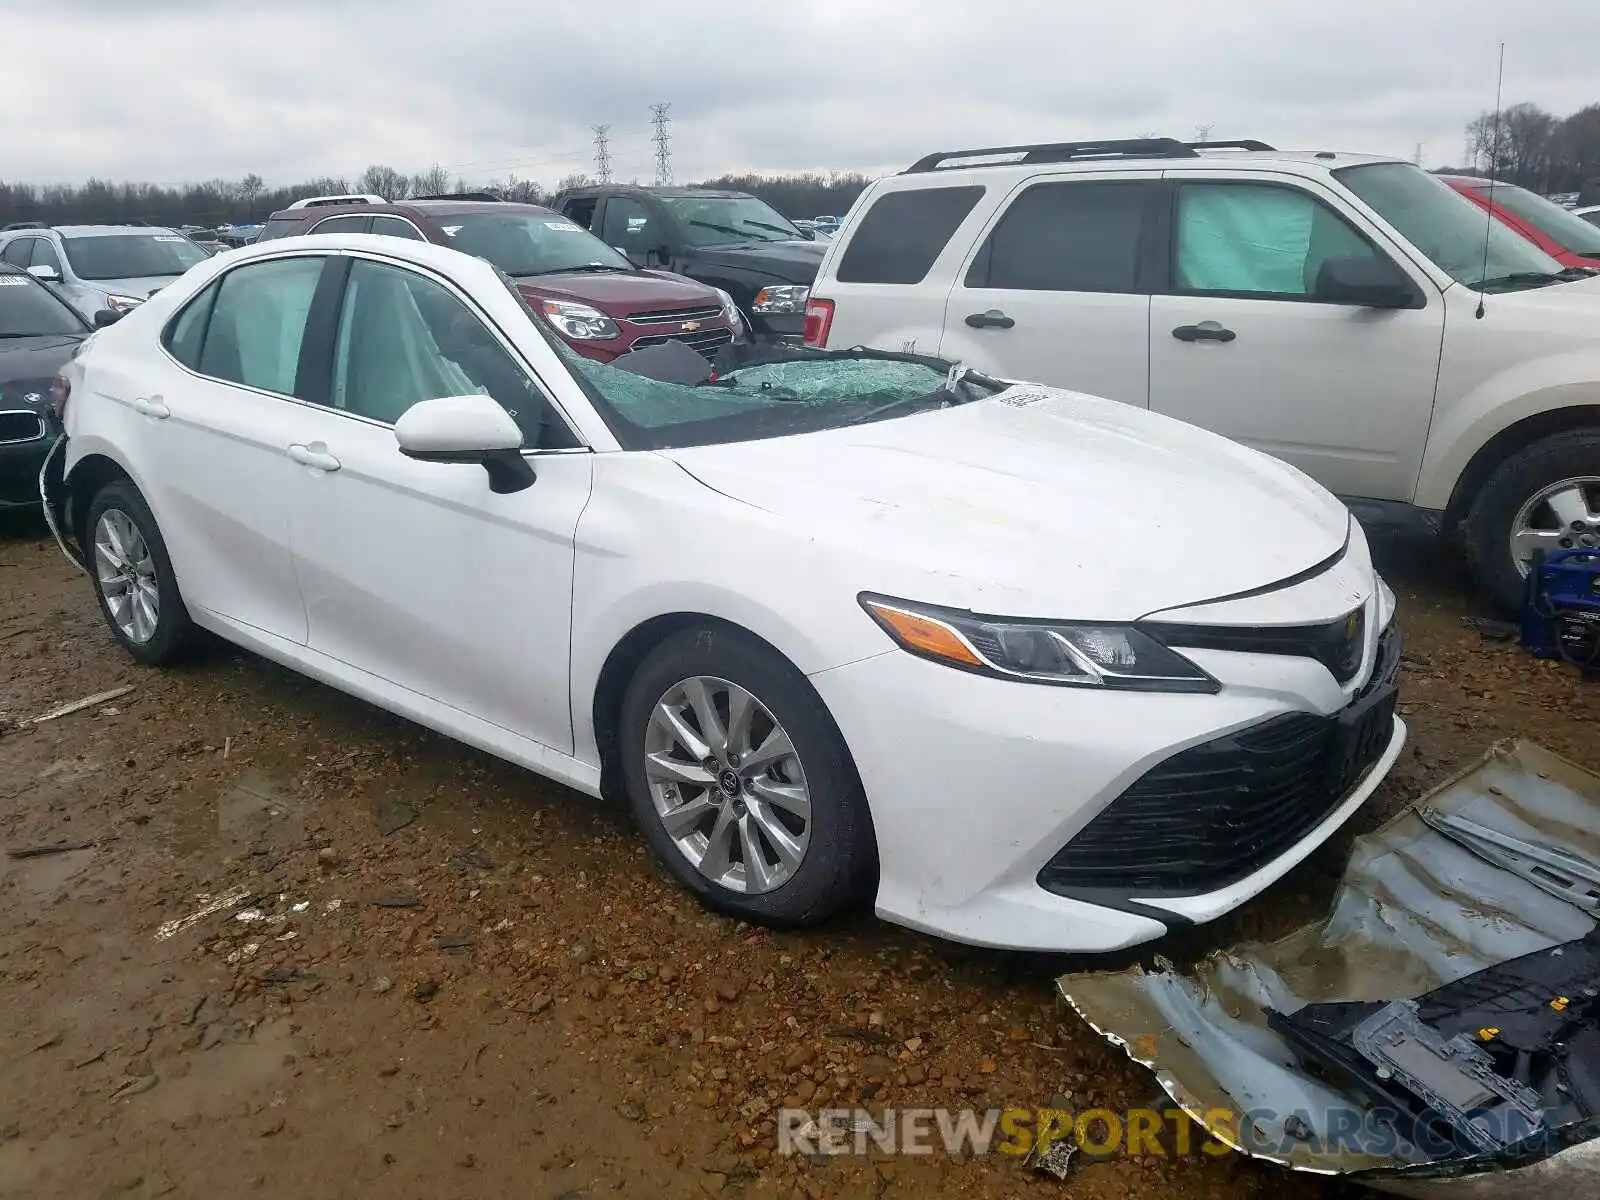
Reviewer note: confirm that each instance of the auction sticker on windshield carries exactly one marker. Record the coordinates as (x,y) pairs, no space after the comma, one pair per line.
(13,281)
(563,226)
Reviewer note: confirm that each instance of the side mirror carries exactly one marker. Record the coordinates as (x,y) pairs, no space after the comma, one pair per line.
(1366,280)
(106,316)
(45,273)
(467,429)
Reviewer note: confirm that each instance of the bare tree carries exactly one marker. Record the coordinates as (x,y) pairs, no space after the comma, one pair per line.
(432,182)
(383,181)
(247,189)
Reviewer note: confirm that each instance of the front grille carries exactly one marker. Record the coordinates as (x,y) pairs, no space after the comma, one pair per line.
(676,316)
(708,341)
(20,425)
(1215,813)
(1337,645)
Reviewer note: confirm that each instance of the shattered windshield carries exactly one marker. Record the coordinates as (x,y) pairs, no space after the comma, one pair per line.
(769,399)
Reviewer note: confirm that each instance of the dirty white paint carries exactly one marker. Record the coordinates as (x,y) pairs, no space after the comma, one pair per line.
(209,906)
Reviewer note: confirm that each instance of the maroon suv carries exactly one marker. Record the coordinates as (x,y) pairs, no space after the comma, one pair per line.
(600,304)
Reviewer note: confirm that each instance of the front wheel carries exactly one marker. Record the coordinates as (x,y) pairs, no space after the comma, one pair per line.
(740,781)
(133,577)
(1544,497)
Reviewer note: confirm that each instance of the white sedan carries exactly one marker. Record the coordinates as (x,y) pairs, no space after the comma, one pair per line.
(1031,668)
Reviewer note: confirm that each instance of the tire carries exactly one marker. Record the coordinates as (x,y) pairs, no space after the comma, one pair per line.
(838,861)
(171,633)
(1574,455)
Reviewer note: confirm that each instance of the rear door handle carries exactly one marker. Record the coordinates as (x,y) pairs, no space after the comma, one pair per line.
(152,406)
(316,456)
(993,319)
(1206,331)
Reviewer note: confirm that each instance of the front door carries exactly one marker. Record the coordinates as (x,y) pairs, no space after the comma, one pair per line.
(1240,343)
(415,571)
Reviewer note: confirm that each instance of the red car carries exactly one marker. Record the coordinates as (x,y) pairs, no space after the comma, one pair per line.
(599,302)
(1564,236)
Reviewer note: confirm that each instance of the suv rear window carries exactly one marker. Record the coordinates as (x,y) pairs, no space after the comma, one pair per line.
(902,234)
(1066,237)
(280,227)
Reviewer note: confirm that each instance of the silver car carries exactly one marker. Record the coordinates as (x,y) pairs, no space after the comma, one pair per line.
(95,267)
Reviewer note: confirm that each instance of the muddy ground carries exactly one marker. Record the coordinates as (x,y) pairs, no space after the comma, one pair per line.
(431,975)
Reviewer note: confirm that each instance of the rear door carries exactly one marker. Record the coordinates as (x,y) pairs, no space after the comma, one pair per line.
(1058,287)
(1241,344)
(208,435)
(889,283)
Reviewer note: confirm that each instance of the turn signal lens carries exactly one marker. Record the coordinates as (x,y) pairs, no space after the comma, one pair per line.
(923,634)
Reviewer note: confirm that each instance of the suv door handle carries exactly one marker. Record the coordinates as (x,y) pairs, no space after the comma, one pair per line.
(1206,331)
(308,456)
(993,319)
(152,406)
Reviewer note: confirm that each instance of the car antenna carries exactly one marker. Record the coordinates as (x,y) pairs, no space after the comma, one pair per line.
(1494,158)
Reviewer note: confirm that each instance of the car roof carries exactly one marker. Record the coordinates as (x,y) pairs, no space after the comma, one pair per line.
(431,208)
(108,230)
(1154,153)
(594,189)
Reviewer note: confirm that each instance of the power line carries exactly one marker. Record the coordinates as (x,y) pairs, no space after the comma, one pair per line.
(602,153)
(660,117)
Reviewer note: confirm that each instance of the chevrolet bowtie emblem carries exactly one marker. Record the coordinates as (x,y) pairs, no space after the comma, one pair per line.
(690,326)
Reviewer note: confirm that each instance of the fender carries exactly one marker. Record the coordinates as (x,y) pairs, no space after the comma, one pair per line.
(1527,390)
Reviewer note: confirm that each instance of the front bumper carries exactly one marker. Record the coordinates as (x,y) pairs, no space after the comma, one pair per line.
(976,785)
(51,489)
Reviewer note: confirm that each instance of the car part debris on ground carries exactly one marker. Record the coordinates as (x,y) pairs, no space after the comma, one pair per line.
(1438,1033)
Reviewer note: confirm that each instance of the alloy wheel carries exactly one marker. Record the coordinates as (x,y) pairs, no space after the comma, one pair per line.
(727,785)
(126,575)
(1563,516)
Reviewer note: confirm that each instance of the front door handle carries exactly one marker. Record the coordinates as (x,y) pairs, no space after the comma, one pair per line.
(316,456)
(152,406)
(1206,331)
(993,319)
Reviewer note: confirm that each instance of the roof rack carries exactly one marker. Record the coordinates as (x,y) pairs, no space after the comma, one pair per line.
(485,196)
(330,201)
(23,225)
(1238,144)
(1051,152)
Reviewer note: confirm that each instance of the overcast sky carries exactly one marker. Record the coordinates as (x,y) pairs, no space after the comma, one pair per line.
(182,90)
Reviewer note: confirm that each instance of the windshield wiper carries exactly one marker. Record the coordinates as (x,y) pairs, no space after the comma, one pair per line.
(729,229)
(789,234)
(574,270)
(1523,279)
(948,394)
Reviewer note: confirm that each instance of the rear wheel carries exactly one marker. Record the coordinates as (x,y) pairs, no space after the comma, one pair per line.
(134,580)
(740,781)
(1544,497)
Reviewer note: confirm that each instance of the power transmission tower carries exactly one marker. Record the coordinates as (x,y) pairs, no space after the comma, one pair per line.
(602,153)
(1418,159)
(1202,133)
(661,118)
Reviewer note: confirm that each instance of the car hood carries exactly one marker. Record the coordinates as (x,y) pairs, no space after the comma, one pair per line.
(787,262)
(618,294)
(29,360)
(1040,502)
(140,288)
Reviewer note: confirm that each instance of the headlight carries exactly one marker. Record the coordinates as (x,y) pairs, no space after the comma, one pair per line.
(731,313)
(1061,653)
(122,304)
(579,321)
(1387,604)
(786,299)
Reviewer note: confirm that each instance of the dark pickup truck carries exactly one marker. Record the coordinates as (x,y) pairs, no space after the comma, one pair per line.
(729,240)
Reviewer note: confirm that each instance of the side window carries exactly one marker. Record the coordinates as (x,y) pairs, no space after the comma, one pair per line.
(396,227)
(1066,237)
(903,233)
(258,322)
(341,225)
(280,227)
(404,338)
(580,210)
(1257,240)
(627,226)
(18,251)
(44,254)
(186,333)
